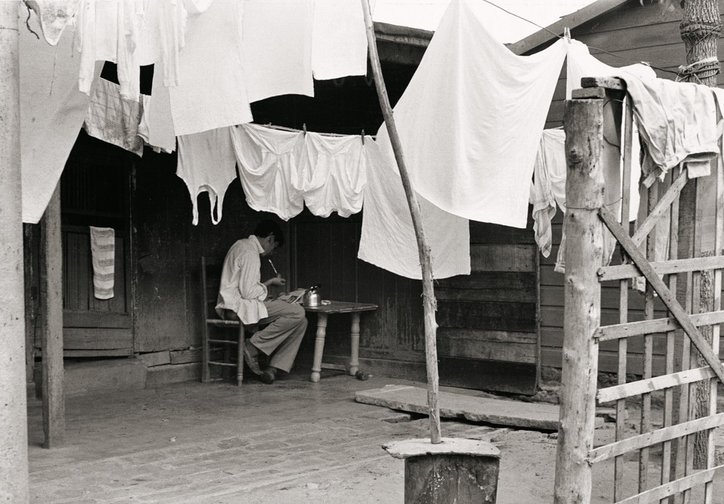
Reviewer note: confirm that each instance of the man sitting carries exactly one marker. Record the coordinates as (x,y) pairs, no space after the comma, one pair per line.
(243,296)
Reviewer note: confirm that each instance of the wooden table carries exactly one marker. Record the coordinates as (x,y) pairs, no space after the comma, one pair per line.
(323,312)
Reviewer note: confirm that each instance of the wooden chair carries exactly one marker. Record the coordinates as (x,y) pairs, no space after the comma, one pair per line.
(210,279)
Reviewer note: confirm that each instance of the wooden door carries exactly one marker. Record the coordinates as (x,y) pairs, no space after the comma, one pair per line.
(95,191)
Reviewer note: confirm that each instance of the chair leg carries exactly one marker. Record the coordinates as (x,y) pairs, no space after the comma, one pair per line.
(240,357)
(205,356)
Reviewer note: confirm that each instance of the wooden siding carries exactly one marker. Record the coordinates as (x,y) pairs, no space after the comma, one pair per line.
(633,33)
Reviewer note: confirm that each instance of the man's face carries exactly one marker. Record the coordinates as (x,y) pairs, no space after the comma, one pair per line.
(269,244)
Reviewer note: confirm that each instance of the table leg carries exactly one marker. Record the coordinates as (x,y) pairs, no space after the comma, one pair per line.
(354,355)
(319,346)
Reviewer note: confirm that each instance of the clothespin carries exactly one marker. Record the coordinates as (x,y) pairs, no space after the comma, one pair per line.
(567,34)
(304,128)
(363,137)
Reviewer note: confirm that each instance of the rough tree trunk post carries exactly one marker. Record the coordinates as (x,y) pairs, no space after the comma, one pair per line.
(51,295)
(583,123)
(700,28)
(13,406)
(428,292)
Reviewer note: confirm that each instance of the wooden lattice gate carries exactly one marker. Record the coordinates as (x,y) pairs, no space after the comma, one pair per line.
(690,367)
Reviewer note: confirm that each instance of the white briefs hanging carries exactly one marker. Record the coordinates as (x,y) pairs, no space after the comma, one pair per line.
(333,173)
(267,160)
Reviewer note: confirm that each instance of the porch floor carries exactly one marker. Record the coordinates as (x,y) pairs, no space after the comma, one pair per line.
(291,442)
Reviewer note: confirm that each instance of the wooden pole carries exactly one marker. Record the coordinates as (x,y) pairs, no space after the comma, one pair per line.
(700,29)
(428,292)
(51,295)
(583,123)
(13,403)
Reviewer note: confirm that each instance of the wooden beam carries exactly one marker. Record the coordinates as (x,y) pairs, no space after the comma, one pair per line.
(655,437)
(672,488)
(624,271)
(13,403)
(583,122)
(570,21)
(661,207)
(51,306)
(627,330)
(668,298)
(631,389)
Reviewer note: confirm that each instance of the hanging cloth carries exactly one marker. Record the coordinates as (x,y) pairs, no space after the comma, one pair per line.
(471,118)
(388,238)
(268,160)
(206,164)
(52,110)
(548,188)
(333,173)
(103,254)
(339,40)
(211,90)
(277,48)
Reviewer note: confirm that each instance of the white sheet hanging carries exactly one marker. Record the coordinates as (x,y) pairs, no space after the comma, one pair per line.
(333,173)
(277,48)
(339,41)
(206,164)
(471,118)
(51,114)
(388,238)
(267,160)
(211,91)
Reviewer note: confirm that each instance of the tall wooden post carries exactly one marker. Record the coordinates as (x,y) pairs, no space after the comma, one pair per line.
(13,404)
(429,304)
(583,123)
(700,29)
(51,297)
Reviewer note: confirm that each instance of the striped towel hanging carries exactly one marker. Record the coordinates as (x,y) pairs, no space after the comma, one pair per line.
(103,252)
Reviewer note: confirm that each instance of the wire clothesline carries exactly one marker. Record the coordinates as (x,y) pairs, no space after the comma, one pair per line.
(304,130)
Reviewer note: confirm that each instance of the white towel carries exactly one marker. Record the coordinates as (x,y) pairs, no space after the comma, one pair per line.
(103,253)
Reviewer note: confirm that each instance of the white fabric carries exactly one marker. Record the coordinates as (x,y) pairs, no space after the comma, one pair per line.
(114,119)
(580,63)
(54,15)
(677,120)
(548,188)
(333,173)
(109,31)
(103,256)
(267,160)
(241,289)
(157,122)
(211,91)
(388,238)
(206,164)
(51,114)
(277,47)
(471,118)
(339,40)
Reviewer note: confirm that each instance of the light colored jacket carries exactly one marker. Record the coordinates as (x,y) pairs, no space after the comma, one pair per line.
(241,289)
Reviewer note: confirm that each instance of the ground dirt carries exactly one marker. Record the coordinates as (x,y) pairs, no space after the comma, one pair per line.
(291,442)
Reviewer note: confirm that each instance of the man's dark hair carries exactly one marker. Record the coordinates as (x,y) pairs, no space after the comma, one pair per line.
(268,227)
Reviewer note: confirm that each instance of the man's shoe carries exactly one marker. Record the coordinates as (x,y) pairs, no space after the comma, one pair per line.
(251,357)
(267,376)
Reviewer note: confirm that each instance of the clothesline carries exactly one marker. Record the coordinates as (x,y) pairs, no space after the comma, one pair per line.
(304,130)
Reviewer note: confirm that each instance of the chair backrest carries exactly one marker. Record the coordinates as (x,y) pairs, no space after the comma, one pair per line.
(210,281)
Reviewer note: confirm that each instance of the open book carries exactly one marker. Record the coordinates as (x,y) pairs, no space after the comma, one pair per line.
(293,297)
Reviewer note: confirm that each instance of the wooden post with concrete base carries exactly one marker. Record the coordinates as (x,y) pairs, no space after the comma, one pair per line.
(455,470)
(13,403)
(583,122)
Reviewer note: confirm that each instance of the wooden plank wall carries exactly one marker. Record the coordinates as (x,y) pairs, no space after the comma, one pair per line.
(633,33)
